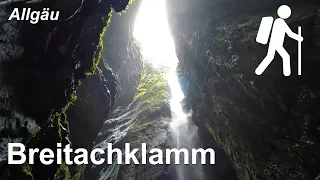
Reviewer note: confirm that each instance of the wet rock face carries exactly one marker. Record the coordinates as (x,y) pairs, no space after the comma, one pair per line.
(121,53)
(139,122)
(51,56)
(267,125)
(154,131)
(91,108)
(137,117)
(14,126)
(114,83)
(41,66)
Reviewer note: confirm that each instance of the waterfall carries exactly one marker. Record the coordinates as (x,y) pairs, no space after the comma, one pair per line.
(152,31)
(184,132)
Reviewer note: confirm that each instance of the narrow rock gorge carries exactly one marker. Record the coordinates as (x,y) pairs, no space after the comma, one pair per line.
(97,76)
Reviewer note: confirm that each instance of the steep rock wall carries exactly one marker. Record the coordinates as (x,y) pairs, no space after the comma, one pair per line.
(141,113)
(267,125)
(42,66)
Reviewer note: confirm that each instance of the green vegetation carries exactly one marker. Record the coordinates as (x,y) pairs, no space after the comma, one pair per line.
(58,122)
(210,129)
(130,74)
(146,124)
(80,173)
(62,116)
(63,173)
(27,169)
(153,87)
(97,59)
(123,11)
(152,93)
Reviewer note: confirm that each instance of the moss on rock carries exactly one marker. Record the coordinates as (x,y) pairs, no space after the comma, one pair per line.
(153,87)
(62,173)
(97,59)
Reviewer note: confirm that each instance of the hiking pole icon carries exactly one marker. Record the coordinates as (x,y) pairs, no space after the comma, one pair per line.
(278,29)
(299,52)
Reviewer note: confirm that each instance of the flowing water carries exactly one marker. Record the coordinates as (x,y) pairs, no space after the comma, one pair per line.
(184,133)
(152,31)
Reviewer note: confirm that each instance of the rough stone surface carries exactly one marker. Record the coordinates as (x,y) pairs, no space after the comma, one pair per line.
(41,66)
(88,113)
(267,125)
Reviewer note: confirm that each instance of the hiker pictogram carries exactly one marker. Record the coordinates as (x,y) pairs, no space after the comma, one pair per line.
(278,32)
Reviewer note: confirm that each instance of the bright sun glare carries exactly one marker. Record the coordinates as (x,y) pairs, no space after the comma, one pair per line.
(151,29)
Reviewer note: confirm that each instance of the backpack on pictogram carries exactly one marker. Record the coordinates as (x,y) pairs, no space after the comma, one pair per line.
(264,30)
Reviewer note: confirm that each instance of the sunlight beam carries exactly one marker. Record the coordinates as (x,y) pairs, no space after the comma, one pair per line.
(151,30)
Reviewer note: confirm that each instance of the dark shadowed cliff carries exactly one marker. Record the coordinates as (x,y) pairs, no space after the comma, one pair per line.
(42,66)
(268,125)
(82,80)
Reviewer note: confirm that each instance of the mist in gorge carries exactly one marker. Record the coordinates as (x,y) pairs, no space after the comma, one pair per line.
(152,31)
